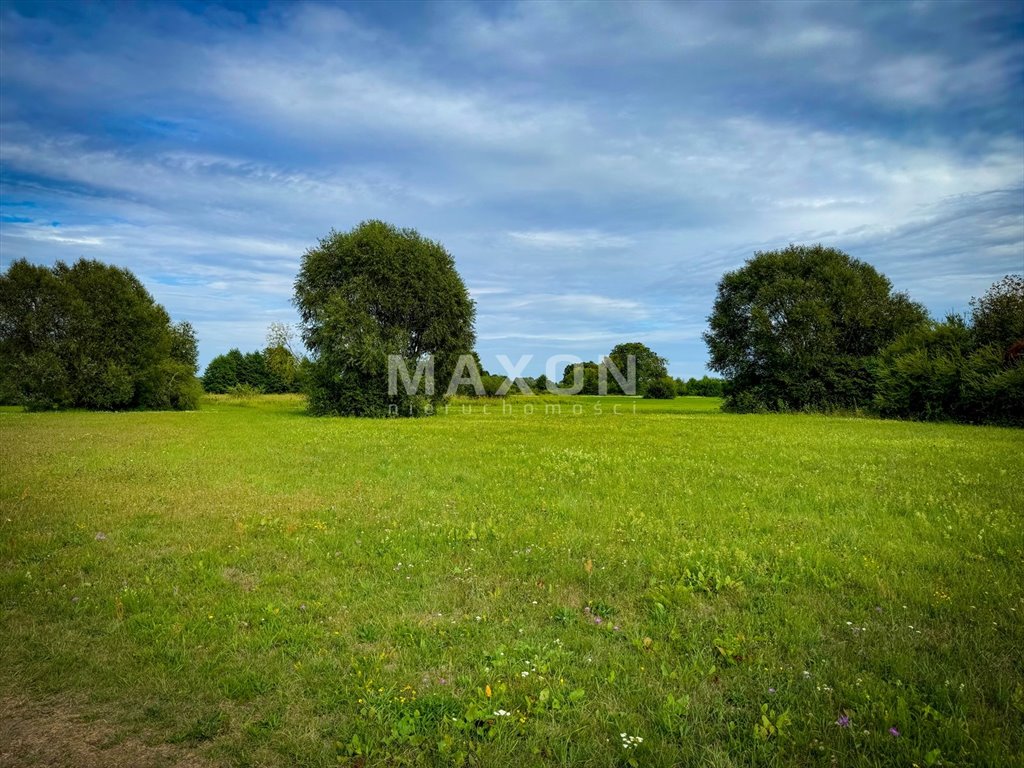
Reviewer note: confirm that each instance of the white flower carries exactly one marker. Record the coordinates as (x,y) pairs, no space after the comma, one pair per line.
(501,713)
(630,742)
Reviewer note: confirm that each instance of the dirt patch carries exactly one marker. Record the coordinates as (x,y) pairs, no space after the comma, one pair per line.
(55,733)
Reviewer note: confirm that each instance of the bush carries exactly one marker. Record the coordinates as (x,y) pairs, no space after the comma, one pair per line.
(939,373)
(663,388)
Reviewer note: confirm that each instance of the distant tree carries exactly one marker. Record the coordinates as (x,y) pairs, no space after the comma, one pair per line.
(253,372)
(282,362)
(802,327)
(276,369)
(540,384)
(281,335)
(469,390)
(591,379)
(222,372)
(998,316)
(493,384)
(91,336)
(706,386)
(370,293)
(661,389)
(650,367)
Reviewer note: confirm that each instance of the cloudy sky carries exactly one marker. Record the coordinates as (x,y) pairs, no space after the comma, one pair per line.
(593,168)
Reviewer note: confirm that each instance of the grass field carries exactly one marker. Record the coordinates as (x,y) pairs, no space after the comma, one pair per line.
(246,585)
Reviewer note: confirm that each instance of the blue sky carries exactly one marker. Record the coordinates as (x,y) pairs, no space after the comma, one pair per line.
(593,168)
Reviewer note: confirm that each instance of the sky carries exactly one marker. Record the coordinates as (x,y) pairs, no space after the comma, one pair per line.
(593,168)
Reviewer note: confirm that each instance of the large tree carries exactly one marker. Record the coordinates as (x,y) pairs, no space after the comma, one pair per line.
(650,367)
(91,336)
(801,328)
(370,293)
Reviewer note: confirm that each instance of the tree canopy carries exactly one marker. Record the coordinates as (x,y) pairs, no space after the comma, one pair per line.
(997,317)
(650,367)
(91,336)
(705,386)
(802,327)
(373,292)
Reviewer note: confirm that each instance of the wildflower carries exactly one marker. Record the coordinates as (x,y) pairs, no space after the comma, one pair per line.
(807,675)
(630,742)
(771,690)
(524,674)
(894,731)
(101,536)
(501,713)
(843,721)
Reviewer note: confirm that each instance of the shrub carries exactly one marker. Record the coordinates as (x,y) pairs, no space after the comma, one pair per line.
(663,388)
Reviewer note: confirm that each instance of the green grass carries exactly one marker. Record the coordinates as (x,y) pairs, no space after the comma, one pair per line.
(265,588)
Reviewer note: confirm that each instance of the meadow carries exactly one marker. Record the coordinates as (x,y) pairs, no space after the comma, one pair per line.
(246,585)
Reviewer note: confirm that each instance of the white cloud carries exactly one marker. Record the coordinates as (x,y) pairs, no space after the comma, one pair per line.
(572,240)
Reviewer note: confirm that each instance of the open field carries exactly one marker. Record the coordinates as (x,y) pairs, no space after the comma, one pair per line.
(245,585)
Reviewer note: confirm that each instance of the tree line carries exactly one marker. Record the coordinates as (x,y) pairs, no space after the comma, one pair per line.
(805,328)
(276,369)
(651,378)
(809,328)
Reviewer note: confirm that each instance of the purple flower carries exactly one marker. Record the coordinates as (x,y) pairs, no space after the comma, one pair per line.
(597,619)
(843,721)
(894,731)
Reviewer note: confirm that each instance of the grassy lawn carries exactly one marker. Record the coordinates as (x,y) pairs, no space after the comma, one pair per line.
(253,586)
